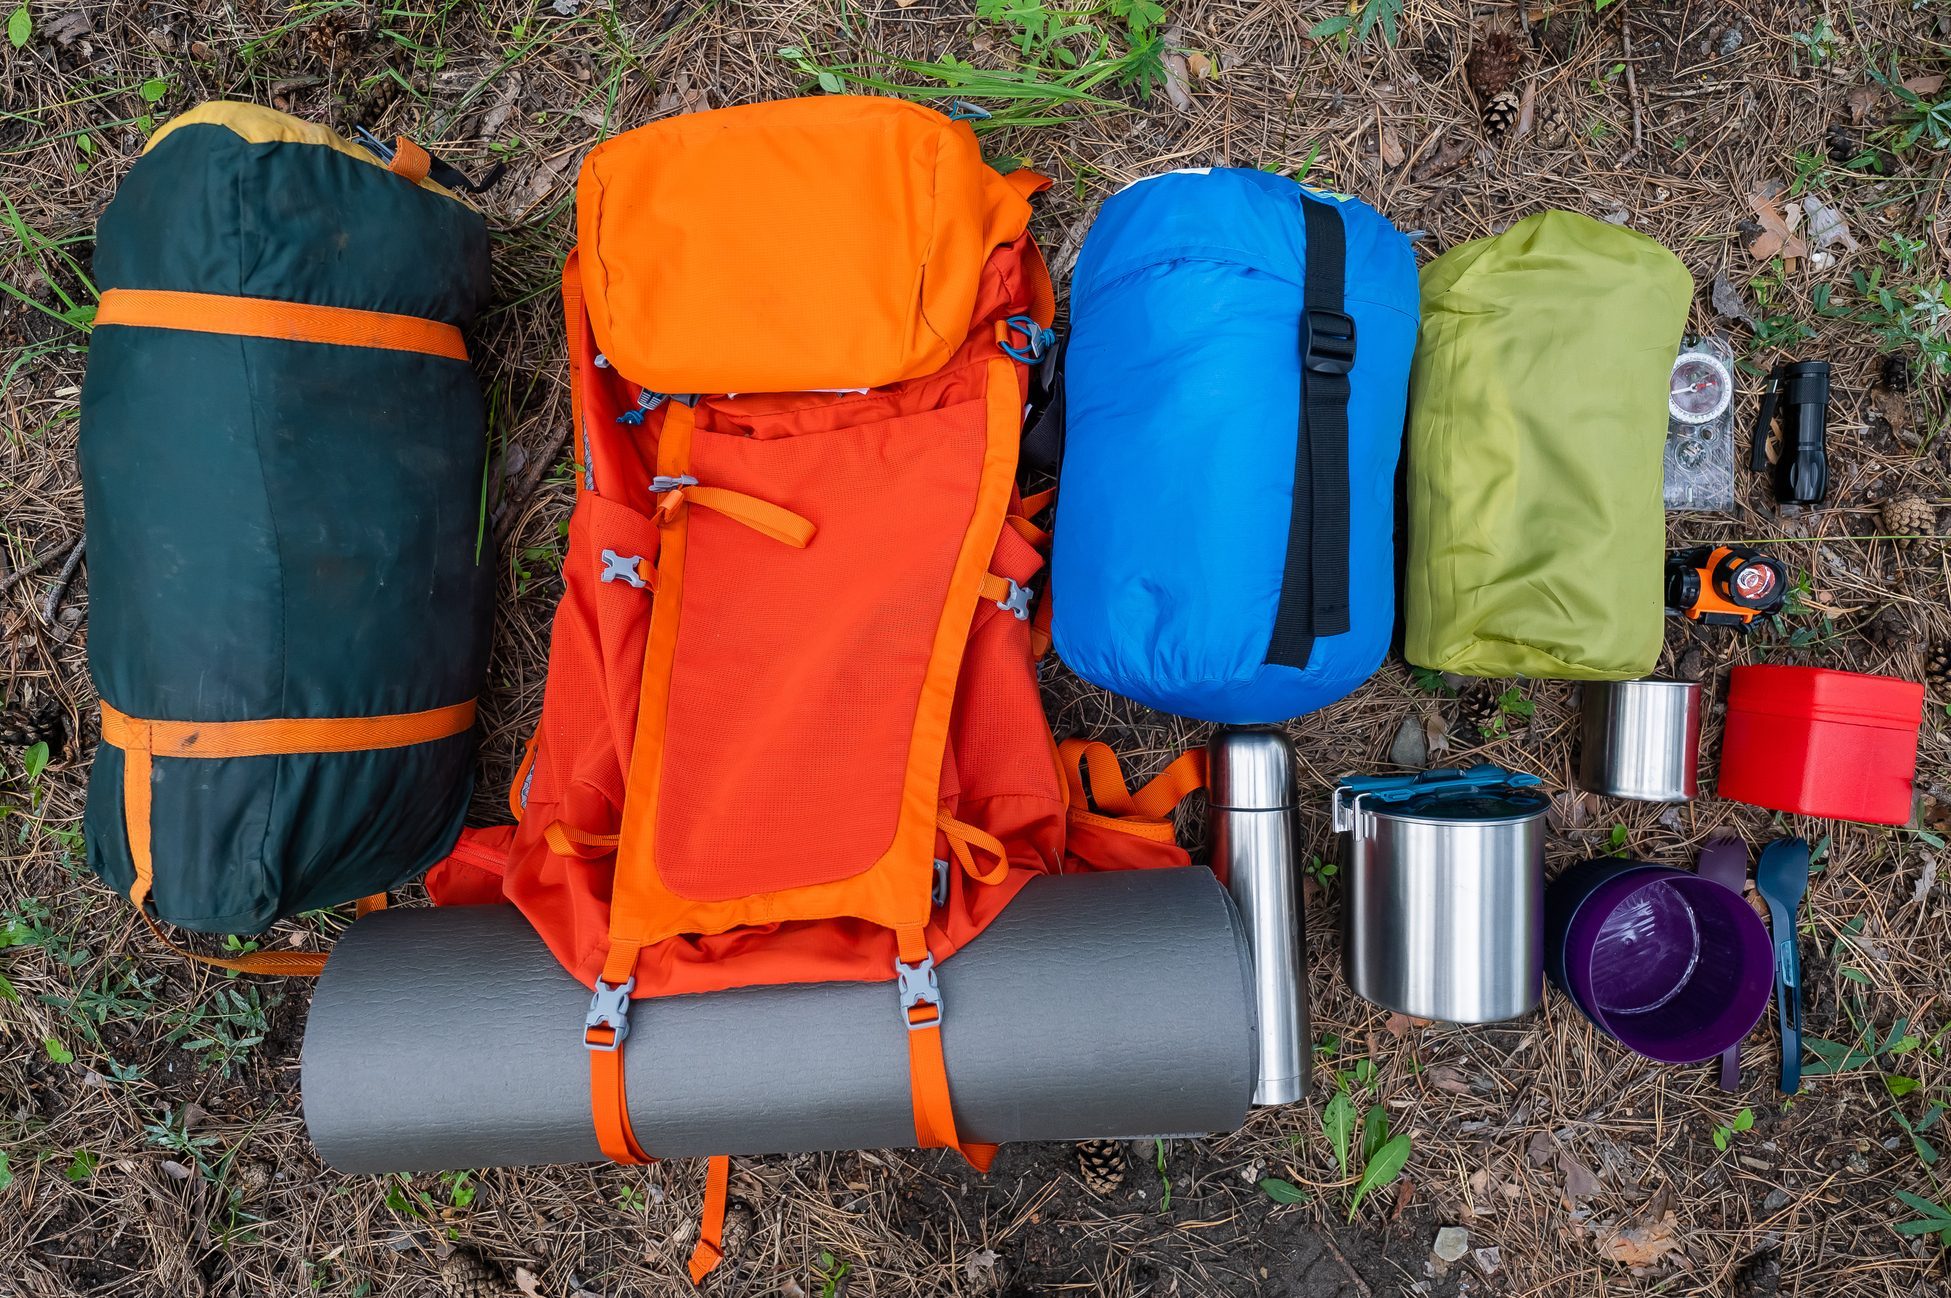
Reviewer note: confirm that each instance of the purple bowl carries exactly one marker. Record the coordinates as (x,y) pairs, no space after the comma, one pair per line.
(1670,965)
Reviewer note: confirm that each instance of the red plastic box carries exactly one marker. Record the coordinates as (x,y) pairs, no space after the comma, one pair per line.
(1841,745)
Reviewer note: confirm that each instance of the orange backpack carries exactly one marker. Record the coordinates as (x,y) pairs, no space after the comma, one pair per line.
(791,730)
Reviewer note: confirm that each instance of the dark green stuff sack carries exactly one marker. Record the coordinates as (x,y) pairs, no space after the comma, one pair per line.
(282,450)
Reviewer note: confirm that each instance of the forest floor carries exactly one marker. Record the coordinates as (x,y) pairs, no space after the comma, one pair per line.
(150,1135)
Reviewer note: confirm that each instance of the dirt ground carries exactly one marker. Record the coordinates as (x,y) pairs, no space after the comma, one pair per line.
(149,1116)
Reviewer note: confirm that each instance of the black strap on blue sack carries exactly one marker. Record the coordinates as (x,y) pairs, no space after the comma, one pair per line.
(1314,586)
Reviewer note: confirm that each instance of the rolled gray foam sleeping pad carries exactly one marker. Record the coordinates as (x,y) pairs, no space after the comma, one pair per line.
(1098,1005)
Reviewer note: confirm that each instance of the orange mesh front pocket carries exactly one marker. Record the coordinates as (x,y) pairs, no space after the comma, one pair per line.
(798,674)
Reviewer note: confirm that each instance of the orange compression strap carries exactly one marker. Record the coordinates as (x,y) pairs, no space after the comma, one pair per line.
(1106,780)
(263,317)
(604,1030)
(921,1013)
(711,1221)
(410,160)
(142,741)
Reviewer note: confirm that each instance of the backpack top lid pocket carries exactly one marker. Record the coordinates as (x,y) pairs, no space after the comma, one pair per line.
(1234,387)
(827,243)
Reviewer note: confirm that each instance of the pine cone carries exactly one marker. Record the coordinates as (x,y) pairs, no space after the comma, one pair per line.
(1909,516)
(38,723)
(1554,127)
(1501,114)
(1478,708)
(466,1274)
(1937,668)
(1895,374)
(1102,1164)
(1492,65)
(1432,58)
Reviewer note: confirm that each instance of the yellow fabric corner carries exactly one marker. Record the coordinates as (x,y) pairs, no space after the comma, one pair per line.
(261,125)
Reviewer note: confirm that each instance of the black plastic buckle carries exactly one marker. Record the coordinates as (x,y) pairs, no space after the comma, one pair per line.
(1327,342)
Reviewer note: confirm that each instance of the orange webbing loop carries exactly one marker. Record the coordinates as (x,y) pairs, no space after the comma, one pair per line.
(761,516)
(263,317)
(1103,780)
(566,840)
(366,905)
(711,1221)
(604,1031)
(963,837)
(921,1012)
(410,160)
(1040,638)
(141,740)
(1038,501)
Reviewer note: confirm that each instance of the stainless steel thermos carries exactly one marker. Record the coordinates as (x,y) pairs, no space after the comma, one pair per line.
(1444,880)
(1640,739)
(1250,792)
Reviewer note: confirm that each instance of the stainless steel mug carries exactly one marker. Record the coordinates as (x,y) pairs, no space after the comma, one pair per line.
(1640,739)
(1444,882)
(1250,793)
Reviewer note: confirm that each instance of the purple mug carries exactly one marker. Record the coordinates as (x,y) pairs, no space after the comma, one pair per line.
(1673,966)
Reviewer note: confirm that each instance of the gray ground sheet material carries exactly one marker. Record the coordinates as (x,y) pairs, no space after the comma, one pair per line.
(1097,1005)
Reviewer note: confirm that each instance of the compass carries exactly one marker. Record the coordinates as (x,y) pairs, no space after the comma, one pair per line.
(1702,388)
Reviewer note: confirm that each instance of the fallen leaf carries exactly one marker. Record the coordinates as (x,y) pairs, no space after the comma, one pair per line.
(905,4)
(1826,225)
(1410,747)
(1401,1025)
(1641,1247)
(791,1288)
(1729,302)
(980,1264)
(1448,1080)
(1581,1182)
(1437,731)
(1540,1149)
(1201,65)
(526,1281)
(1455,150)
(502,109)
(1389,145)
(1777,237)
(1925,879)
(64,29)
(1526,111)
(1891,407)
(175,1170)
(1861,101)
(1928,83)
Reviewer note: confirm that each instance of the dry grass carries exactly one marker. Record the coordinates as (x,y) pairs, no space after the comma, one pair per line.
(146,1166)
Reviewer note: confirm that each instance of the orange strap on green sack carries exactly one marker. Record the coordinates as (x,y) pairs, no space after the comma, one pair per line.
(263,317)
(142,741)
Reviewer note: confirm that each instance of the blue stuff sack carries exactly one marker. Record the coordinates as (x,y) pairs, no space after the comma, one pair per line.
(1224,542)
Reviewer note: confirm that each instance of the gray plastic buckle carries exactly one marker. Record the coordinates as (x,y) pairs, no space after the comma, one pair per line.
(940,893)
(623,567)
(918,986)
(609,1007)
(1017,602)
(661,483)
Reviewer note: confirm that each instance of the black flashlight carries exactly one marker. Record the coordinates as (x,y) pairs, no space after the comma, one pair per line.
(1800,390)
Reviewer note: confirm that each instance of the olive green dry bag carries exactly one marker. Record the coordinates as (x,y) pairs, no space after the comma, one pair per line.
(281,453)
(1537,417)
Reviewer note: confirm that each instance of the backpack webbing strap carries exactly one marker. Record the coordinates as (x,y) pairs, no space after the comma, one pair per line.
(1314,585)
(141,741)
(921,1014)
(710,1249)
